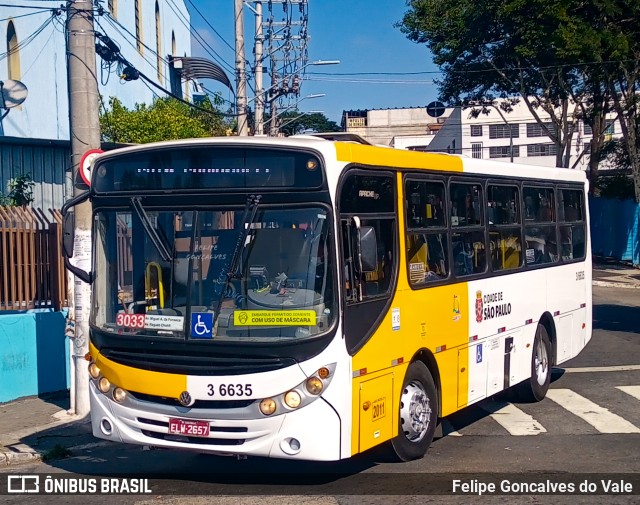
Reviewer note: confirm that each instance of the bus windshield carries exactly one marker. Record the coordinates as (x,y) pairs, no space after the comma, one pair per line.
(241,274)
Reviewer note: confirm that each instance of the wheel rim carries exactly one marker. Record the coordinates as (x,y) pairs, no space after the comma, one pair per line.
(541,362)
(415,412)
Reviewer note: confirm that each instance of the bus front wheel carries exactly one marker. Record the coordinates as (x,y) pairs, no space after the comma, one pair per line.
(535,389)
(418,414)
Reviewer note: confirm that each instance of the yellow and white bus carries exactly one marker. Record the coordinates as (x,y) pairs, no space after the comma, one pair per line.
(310,299)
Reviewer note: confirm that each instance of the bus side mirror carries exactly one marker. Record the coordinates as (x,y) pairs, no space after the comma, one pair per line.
(68,234)
(368,248)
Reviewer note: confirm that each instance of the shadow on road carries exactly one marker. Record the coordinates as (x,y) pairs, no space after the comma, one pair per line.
(616,318)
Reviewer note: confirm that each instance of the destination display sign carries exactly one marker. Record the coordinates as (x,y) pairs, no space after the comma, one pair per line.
(207,168)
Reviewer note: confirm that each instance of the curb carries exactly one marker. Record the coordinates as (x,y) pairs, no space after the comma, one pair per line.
(19,453)
(8,458)
(607,284)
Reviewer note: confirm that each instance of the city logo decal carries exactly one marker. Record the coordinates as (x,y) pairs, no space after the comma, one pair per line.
(479,306)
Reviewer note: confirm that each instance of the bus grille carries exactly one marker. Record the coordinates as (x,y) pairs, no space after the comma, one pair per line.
(193,363)
(192,440)
(199,404)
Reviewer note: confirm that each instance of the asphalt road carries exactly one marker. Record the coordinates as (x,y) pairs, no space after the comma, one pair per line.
(588,424)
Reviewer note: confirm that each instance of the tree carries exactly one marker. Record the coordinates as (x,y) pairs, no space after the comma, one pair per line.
(20,192)
(295,122)
(164,119)
(573,59)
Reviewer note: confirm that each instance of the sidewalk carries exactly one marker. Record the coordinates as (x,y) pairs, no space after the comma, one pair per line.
(35,428)
(614,274)
(41,428)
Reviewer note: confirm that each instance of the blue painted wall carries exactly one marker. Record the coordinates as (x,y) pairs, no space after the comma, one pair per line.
(615,229)
(34,354)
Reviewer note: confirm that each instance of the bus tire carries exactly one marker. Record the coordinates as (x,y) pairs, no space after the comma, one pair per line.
(417,415)
(535,388)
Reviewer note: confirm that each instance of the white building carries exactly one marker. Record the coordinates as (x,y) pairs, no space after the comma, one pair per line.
(496,135)
(34,137)
(410,128)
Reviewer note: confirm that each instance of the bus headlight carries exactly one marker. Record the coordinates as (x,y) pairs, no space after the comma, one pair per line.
(314,385)
(268,406)
(292,399)
(94,371)
(300,395)
(104,385)
(119,395)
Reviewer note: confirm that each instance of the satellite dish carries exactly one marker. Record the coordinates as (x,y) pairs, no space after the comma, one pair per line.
(13,93)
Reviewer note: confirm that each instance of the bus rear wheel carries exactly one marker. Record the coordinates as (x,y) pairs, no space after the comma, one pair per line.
(535,388)
(418,414)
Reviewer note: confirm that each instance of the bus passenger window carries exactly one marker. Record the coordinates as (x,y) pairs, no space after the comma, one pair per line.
(428,257)
(469,255)
(465,205)
(505,235)
(540,233)
(572,227)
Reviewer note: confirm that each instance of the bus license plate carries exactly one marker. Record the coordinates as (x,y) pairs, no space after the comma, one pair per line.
(188,427)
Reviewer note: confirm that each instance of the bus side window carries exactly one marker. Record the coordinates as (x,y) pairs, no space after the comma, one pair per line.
(377,282)
(540,230)
(505,234)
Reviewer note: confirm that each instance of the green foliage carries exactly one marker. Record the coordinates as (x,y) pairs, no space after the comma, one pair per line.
(164,119)
(56,452)
(295,122)
(20,192)
(574,59)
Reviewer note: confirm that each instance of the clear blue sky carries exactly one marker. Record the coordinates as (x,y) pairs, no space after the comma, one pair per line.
(359,33)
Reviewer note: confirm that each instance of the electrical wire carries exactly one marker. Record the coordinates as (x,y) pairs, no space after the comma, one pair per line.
(211,26)
(26,15)
(203,43)
(30,38)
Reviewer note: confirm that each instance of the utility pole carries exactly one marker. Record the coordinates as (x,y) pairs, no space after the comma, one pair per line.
(259,129)
(84,128)
(241,76)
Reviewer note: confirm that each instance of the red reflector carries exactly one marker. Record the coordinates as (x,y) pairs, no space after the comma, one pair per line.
(400,361)
(584,326)
(583,305)
(556,313)
(528,321)
(475,337)
(501,330)
(363,371)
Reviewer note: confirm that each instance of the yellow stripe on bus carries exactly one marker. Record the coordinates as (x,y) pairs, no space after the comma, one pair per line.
(433,318)
(386,157)
(140,381)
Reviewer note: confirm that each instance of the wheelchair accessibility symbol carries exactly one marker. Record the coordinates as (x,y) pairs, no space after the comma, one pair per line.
(201,325)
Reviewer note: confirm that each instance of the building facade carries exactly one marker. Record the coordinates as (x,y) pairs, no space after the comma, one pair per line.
(34,136)
(511,137)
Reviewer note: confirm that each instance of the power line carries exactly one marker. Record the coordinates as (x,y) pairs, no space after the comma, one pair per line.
(25,15)
(203,43)
(440,72)
(212,28)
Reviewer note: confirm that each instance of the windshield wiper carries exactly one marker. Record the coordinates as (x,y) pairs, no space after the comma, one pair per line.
(152,233)
(250,210)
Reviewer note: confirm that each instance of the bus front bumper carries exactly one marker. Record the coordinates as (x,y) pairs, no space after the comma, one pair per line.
(310,433)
